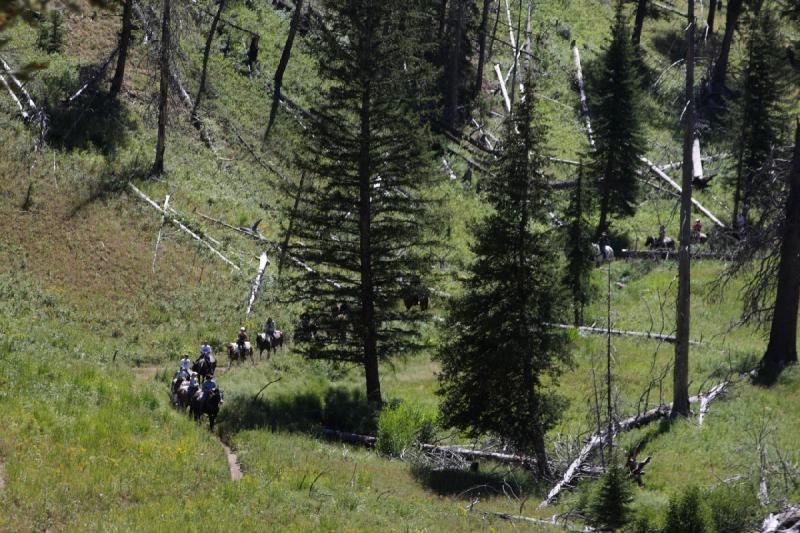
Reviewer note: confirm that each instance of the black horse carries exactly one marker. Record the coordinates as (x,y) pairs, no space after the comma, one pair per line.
(270,343)
(205,366)
(208,406)
(654,243)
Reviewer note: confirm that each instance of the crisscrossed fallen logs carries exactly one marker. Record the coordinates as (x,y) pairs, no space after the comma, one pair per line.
(620,333)
(785,520)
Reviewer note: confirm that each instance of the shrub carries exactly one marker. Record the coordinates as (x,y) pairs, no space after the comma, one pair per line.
(686,514)
(733,509)
(51,33)
(403,424)
(609,506)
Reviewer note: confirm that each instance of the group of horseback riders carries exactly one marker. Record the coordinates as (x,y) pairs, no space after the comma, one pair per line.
(194,381)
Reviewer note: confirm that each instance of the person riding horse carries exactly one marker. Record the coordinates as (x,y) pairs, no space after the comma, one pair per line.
(270,327)
(186,363)
(205,350)
(603,243)
(241,339)
(210,385)
(662,235)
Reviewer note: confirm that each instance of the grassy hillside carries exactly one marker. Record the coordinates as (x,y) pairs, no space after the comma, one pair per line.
(89,333)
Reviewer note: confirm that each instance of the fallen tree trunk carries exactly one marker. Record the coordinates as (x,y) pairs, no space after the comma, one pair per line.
(584,105)
(473,453)
(23,98)
(627,424)
(541,521)
(710,396)
(503,89)
(262,265)
(660,173)
(786,520)
(25,115)
(678,164)
(620,333)
(183,227)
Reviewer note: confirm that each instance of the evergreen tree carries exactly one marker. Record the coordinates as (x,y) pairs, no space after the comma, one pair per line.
(610,505)
(618,126)
(500,355)
(366,164)
(578,249)
(685,514)
(759,118)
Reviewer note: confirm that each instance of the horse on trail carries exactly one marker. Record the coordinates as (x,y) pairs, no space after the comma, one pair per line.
(182,396)
(654,244)
(600,257)
(270,343)
(209,405)
(235,355)
(205,367)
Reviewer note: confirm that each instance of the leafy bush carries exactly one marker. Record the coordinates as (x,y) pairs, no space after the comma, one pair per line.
(609,506)
(733,509)
(403,424)
(686,514)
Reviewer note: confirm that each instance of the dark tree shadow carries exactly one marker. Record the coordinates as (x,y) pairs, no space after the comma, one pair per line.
(515,483)
(91,121)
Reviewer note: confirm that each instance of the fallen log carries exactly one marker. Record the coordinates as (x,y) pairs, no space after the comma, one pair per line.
(621,333)
(584,105)
(183,227)
(785,520)
(710,396)
(25,115)
(350,438)
(473,453)
(541,521)
(598,439)
(660,173)
(262,265)
(697,161)
(678,164)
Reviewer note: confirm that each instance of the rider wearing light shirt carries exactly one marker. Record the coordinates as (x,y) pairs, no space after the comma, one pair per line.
(186,363)
(205,350)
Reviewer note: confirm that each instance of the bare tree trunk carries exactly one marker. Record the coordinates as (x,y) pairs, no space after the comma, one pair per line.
(455,39)
(370,333)
(712,12)
(206,51)
(721,64)
(122,49)
(680,399)
(482,46)
(158,165)
(782,347)
(641,10)
(284,61)
(442,20)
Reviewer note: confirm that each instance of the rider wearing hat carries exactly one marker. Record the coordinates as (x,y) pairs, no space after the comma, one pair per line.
(242,338)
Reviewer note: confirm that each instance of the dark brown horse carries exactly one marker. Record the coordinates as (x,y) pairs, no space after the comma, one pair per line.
(208,405)
(654,244)
(205,366)
(270,343)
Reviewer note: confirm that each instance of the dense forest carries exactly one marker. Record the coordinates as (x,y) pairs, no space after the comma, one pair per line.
(430,265)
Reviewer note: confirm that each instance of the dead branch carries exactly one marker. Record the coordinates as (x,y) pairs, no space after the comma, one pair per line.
(262,389)
(262,264)
(785,520)
(97,75)
(584,105)
(620,333)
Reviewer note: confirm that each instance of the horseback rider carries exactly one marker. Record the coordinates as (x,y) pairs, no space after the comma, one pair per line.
(697,226)
(662,234)
(186,363)
(209,385)
(194,384)
(205,350)
(241,339)
(270,328)
(602,243)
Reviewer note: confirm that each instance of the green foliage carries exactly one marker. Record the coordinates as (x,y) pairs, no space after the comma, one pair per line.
(619,125)
(404,424)
(734,508)
(498,352)
(578,249)
(610,504)
(347,409)
(686,513)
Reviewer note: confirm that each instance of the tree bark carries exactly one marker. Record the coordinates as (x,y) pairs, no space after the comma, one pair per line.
(482,46)
(158,165)
(680,399)
(442,20)
(712,12)
(782,347)
(122,49)
(284,61)
(641,10)
(721,64)
(206,51)
(364,223)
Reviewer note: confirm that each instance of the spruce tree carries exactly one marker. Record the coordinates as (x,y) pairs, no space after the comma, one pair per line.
(366,165)
(500,356)
(578,249)
(618,126)
(685,514)
(610,505)
(759,118)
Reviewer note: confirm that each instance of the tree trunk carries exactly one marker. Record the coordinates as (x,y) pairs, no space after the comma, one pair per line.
(737,193)
(641,10)
(782,347)
(442,20)
(712,12)
(604,204)
(365,222)
(455,39)
(122,49)
(482,47)
(721,64)
(202,88)
(290,228)
(158,165)
(680,399)
(284,61)
(252,52)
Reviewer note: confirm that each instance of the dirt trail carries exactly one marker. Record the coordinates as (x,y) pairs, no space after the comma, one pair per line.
(143,373)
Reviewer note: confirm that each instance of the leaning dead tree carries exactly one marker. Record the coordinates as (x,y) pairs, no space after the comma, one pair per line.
(204,72)
(163,93)
(30,112)
(122,48)
(263,261)
(584,105)
(282,63)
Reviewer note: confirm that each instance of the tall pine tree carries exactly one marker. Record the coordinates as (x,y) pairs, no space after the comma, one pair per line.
(578,248)
(366,164)
(618,126)
(500,356)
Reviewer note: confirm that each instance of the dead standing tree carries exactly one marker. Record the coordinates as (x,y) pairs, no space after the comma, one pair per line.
(680,401)
(158,165)
(284,61)
(122,48)
(204,73)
